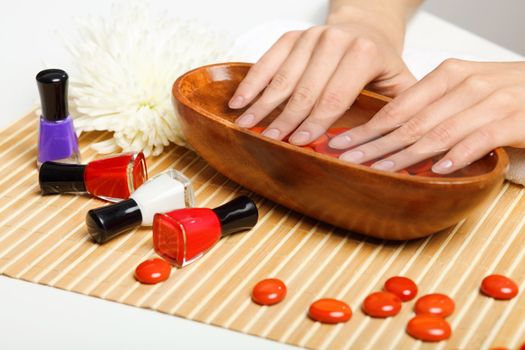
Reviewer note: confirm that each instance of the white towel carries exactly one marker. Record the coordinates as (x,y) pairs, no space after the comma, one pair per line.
(516,172)
(251,45)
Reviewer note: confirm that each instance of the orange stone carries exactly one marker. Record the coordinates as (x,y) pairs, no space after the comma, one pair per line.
(322,139)
(330,311)
(324,148)
(403,287)
(382,304)
(269,291)
(499,287)
(428,174)
(435,304)
(257,129)
(152,271)
(333,132)
(420,167)
(429,328)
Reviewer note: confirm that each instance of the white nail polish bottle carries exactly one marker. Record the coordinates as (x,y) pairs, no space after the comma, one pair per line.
(165,192)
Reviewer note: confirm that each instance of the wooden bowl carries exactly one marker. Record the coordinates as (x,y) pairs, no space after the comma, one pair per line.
(354,197)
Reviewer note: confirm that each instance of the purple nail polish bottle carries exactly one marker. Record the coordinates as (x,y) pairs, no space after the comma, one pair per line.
(57,140)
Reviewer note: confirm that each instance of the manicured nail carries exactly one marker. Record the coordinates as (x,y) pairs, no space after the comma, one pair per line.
(383,165)
(353,157)
(300,137)
(271,133)
(443,166)
(236,102)
(340,142)
(245,120)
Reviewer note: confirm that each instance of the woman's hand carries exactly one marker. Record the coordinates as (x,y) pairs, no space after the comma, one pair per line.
(322,70)
(463,109)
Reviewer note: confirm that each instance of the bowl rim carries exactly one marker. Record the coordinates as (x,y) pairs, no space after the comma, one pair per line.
(500,167)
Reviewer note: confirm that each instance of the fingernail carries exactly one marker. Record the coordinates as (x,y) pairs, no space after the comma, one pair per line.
(271,133)
(300,137)
(442,166)
(340,142)
(383,165)
(353,156)
(236,102)
(245,120)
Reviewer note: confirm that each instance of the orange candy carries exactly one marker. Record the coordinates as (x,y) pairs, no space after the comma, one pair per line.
(435,304)
(269,291)
(152,271)
(382,304)
(330,311)
(499,287)
(401,286)
(429,328)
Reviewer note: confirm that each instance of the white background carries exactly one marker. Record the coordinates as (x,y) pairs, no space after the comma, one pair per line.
(33,316)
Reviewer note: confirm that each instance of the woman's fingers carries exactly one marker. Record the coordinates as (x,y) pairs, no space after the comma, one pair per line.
(461,97)
(283,81)
(480,142)
(262,72)
(449,133)
(396,113)
(327,55)
(357,67)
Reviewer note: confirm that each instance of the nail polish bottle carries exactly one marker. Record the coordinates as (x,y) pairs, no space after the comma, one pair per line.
(182,236)
(57,140)
(113,178)
(167,191)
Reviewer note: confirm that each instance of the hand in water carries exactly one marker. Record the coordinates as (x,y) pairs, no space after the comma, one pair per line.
(462,109)
(321,71)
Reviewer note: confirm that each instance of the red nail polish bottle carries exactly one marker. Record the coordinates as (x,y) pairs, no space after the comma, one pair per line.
(182,236)
(113,178)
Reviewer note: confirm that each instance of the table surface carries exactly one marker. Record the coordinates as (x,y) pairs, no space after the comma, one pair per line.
(64,320)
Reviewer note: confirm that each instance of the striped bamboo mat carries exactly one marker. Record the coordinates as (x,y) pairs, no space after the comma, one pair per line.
(43,240)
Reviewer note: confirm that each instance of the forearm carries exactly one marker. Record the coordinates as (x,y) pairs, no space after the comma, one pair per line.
(390,16)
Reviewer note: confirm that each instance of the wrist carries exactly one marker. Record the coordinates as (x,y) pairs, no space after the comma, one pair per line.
(390,25)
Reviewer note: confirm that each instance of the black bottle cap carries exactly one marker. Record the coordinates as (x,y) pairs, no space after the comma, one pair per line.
(239,214)
(107,222)
(61,177)
(52,86)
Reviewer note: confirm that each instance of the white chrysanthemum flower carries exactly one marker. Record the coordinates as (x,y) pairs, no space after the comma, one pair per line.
(124,68)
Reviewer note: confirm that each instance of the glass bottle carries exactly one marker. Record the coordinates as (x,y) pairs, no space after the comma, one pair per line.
(112,178)
(182,236)
(167,191)
(57,140)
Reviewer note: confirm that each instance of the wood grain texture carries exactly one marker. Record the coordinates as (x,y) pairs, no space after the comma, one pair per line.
(43,240)
(353,197)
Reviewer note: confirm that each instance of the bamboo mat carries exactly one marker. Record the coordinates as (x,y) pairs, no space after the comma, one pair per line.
(43,240)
